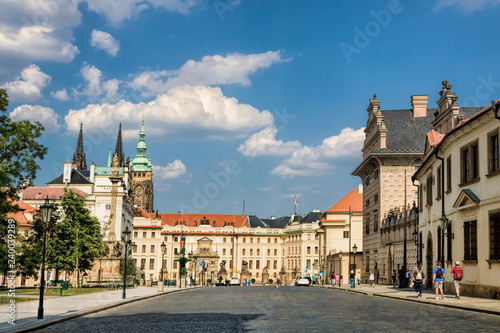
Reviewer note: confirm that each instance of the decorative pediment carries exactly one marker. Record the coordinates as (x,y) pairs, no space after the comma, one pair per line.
(466,199)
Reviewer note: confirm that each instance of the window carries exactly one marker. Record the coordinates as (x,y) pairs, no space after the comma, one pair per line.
(243,252)
(469,163)
(258,240)
(493,163)
(250,264)
(258,252)
(268,252)
(152,250)
(276,240)
(143,234)
(275,264)
(470,240)
(151,263)
(165,238)
(308,250)
(275,252)
(367,225)
(251,240)
(268,263)
(448,174)
(375,198)
(428,185)
(257,264)
(143,250)
(308,264)
(224,240)
(223,252)
(176,251)
(375,223)
(135,234)
(134,248)
(153,234)
(367,267)
(346,233)
(269,240)
(316,250)
(438,183)
(143,263)
(495,235)
(251,252)
(244,240)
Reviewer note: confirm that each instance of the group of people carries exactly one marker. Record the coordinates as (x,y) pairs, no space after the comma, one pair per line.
(438,278)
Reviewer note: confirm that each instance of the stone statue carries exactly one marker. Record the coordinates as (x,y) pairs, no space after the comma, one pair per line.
(222,266)
(244,266)
(265,270)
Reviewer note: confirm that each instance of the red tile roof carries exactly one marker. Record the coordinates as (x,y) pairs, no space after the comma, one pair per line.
(54,193)
(172,219)
(434,137)
(20,216)
(353,202)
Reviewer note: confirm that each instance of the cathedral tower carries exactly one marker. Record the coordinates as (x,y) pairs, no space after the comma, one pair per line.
(142,175)
(79,155)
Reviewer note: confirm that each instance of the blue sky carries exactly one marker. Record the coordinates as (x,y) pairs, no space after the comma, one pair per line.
(244,100)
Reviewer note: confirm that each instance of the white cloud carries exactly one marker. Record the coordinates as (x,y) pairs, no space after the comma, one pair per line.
(304,160)
(104,41)
(97,89)
(211,70)
(187,112)
(46,116)
(36,30)
(173,170)
(61,95)
(29,86)
(118,11)
(264,143)
(469,6)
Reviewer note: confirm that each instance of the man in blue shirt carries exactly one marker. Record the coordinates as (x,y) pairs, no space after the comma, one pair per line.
(438,279)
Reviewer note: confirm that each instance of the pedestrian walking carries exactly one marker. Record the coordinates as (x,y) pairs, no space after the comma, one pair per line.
(278,280)
(358,278)
(438,277)
(457,272)
(418,278)
(371,279)
(351,279)
(402,277)
(394,277)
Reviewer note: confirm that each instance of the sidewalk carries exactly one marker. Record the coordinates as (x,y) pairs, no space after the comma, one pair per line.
(58,309)
(484,305)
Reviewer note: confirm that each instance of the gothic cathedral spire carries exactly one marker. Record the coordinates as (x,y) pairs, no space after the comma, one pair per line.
(79,155)
(119,148)
(142,175)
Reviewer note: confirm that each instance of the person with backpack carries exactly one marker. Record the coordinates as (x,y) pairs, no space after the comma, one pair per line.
(458,273)
(418,278)
(438,279)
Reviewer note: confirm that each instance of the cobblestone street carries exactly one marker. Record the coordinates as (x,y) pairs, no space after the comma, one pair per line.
(269,309)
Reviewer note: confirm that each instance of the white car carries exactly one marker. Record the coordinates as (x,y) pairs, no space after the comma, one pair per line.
(234,281)
(302,281)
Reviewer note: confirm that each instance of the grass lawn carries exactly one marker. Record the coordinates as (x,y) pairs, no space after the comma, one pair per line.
(53,291)
(6,300)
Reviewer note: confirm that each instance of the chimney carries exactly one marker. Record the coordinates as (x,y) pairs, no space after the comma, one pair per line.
(67,172)
(419,105)
(360,188)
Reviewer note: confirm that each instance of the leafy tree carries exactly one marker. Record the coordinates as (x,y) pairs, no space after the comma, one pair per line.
(19,151)
(77,240)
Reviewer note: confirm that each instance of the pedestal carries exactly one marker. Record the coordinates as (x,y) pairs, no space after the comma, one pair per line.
(160,286)
(265,278)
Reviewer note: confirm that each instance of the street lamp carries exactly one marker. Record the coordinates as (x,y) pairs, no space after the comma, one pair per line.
(126,241)
(163,247)
(355,250)
(340,270)
(46,210)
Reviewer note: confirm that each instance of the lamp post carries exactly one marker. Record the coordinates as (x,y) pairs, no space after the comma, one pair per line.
(354,250)
(126,242)
(163,246)
(46,210)
(417,243)
(340,270)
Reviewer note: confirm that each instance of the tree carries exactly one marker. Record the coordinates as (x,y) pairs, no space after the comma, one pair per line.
(19,151)
(77,240)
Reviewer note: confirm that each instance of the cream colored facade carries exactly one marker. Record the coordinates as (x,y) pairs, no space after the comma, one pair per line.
(460,202)
(290,250)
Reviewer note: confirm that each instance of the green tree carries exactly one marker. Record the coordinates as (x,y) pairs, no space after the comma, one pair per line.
(19,151)
(77,240)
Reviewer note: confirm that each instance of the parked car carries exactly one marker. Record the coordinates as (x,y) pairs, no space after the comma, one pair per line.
(235,281)
(302,281)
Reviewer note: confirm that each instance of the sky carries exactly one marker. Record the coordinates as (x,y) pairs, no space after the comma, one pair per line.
(247,104)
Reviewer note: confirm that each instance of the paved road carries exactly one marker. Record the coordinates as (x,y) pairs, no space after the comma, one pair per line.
(269,309)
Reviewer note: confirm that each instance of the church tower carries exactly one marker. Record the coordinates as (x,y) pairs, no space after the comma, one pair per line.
(142,175)
(79,155)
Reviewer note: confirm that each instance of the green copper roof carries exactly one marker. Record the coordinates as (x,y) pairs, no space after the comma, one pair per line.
(141,163)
